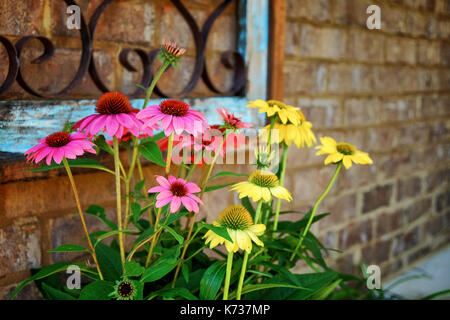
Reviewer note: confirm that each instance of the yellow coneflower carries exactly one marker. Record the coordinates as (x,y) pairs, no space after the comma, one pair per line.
(285,112)
(342,151)
(241,229)
(262,184)
(300,134)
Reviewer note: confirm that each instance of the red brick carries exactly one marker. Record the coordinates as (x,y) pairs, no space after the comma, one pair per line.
(355,233)
(361,112)
(417,210)
(322,113)
(293,36)
(389,222)
(397,109)
(351,12)
(401,50)
(342,209)
(350,79)
(376,198)
(314,10)
(429,52)
(29,292)
(437,178)
(297,82)
(365,46)
(21,248)
(376,253)
(393,20)
(406,241)
(408,188)
(322,42)
(419,254)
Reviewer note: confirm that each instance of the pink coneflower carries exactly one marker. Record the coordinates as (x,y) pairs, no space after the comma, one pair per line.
(177,192)
(175,116)
(232,122)
(60,145)
(115,115)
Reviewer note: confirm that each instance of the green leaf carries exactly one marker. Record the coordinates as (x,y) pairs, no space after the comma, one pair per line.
(185,271)
(75,163)
(325,292)
(138,186)
(151,152)
(47,271)
(101,143)
(248,205)
(177,237)
(437,295)
(133,269)
(255,287)
(166,263)
(213,188)
(172,293)
(228,173)
(212,279)
(109,234)
(221,231)
(56,294)
(110,262)
(97,290)
(99,213)
(140,86)
(69,248)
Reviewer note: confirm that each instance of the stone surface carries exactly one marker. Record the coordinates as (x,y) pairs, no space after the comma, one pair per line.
(20,247)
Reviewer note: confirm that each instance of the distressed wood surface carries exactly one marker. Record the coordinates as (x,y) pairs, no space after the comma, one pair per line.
(22,123)
(277,34)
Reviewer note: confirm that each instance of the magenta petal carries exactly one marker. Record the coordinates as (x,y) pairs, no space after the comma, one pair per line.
(164,194)
(156,189)
(98,124)
(50,156)
(111,126)
(172,179)
(162,181)
(178,125)
(187,203)
(175,204)
(163,202)
(166,121)
(58,155)
(194,197)
(42,154)
(192,187)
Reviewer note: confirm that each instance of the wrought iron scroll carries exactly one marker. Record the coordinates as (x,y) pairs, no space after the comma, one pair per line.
(231,59)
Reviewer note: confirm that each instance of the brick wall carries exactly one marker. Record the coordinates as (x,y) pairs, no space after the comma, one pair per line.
(388,92)
(385,91)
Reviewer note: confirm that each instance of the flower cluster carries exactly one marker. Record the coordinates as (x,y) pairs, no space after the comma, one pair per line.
(155,214)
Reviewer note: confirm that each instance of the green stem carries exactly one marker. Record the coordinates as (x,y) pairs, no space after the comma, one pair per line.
(242,276)
(211,166)
(169,153)
(282,176)
(154,81)
(244,263)
(338,168)
(226,286)
(128,181)
(118,196)
(80,212)
(269,139)
(155,232)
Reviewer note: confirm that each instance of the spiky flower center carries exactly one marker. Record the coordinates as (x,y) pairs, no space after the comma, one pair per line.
(125,289)
(235,217)
(172,48)
(345,148)
(178,189)
(113,103)
(265,179)
(58,139)
(175,108)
